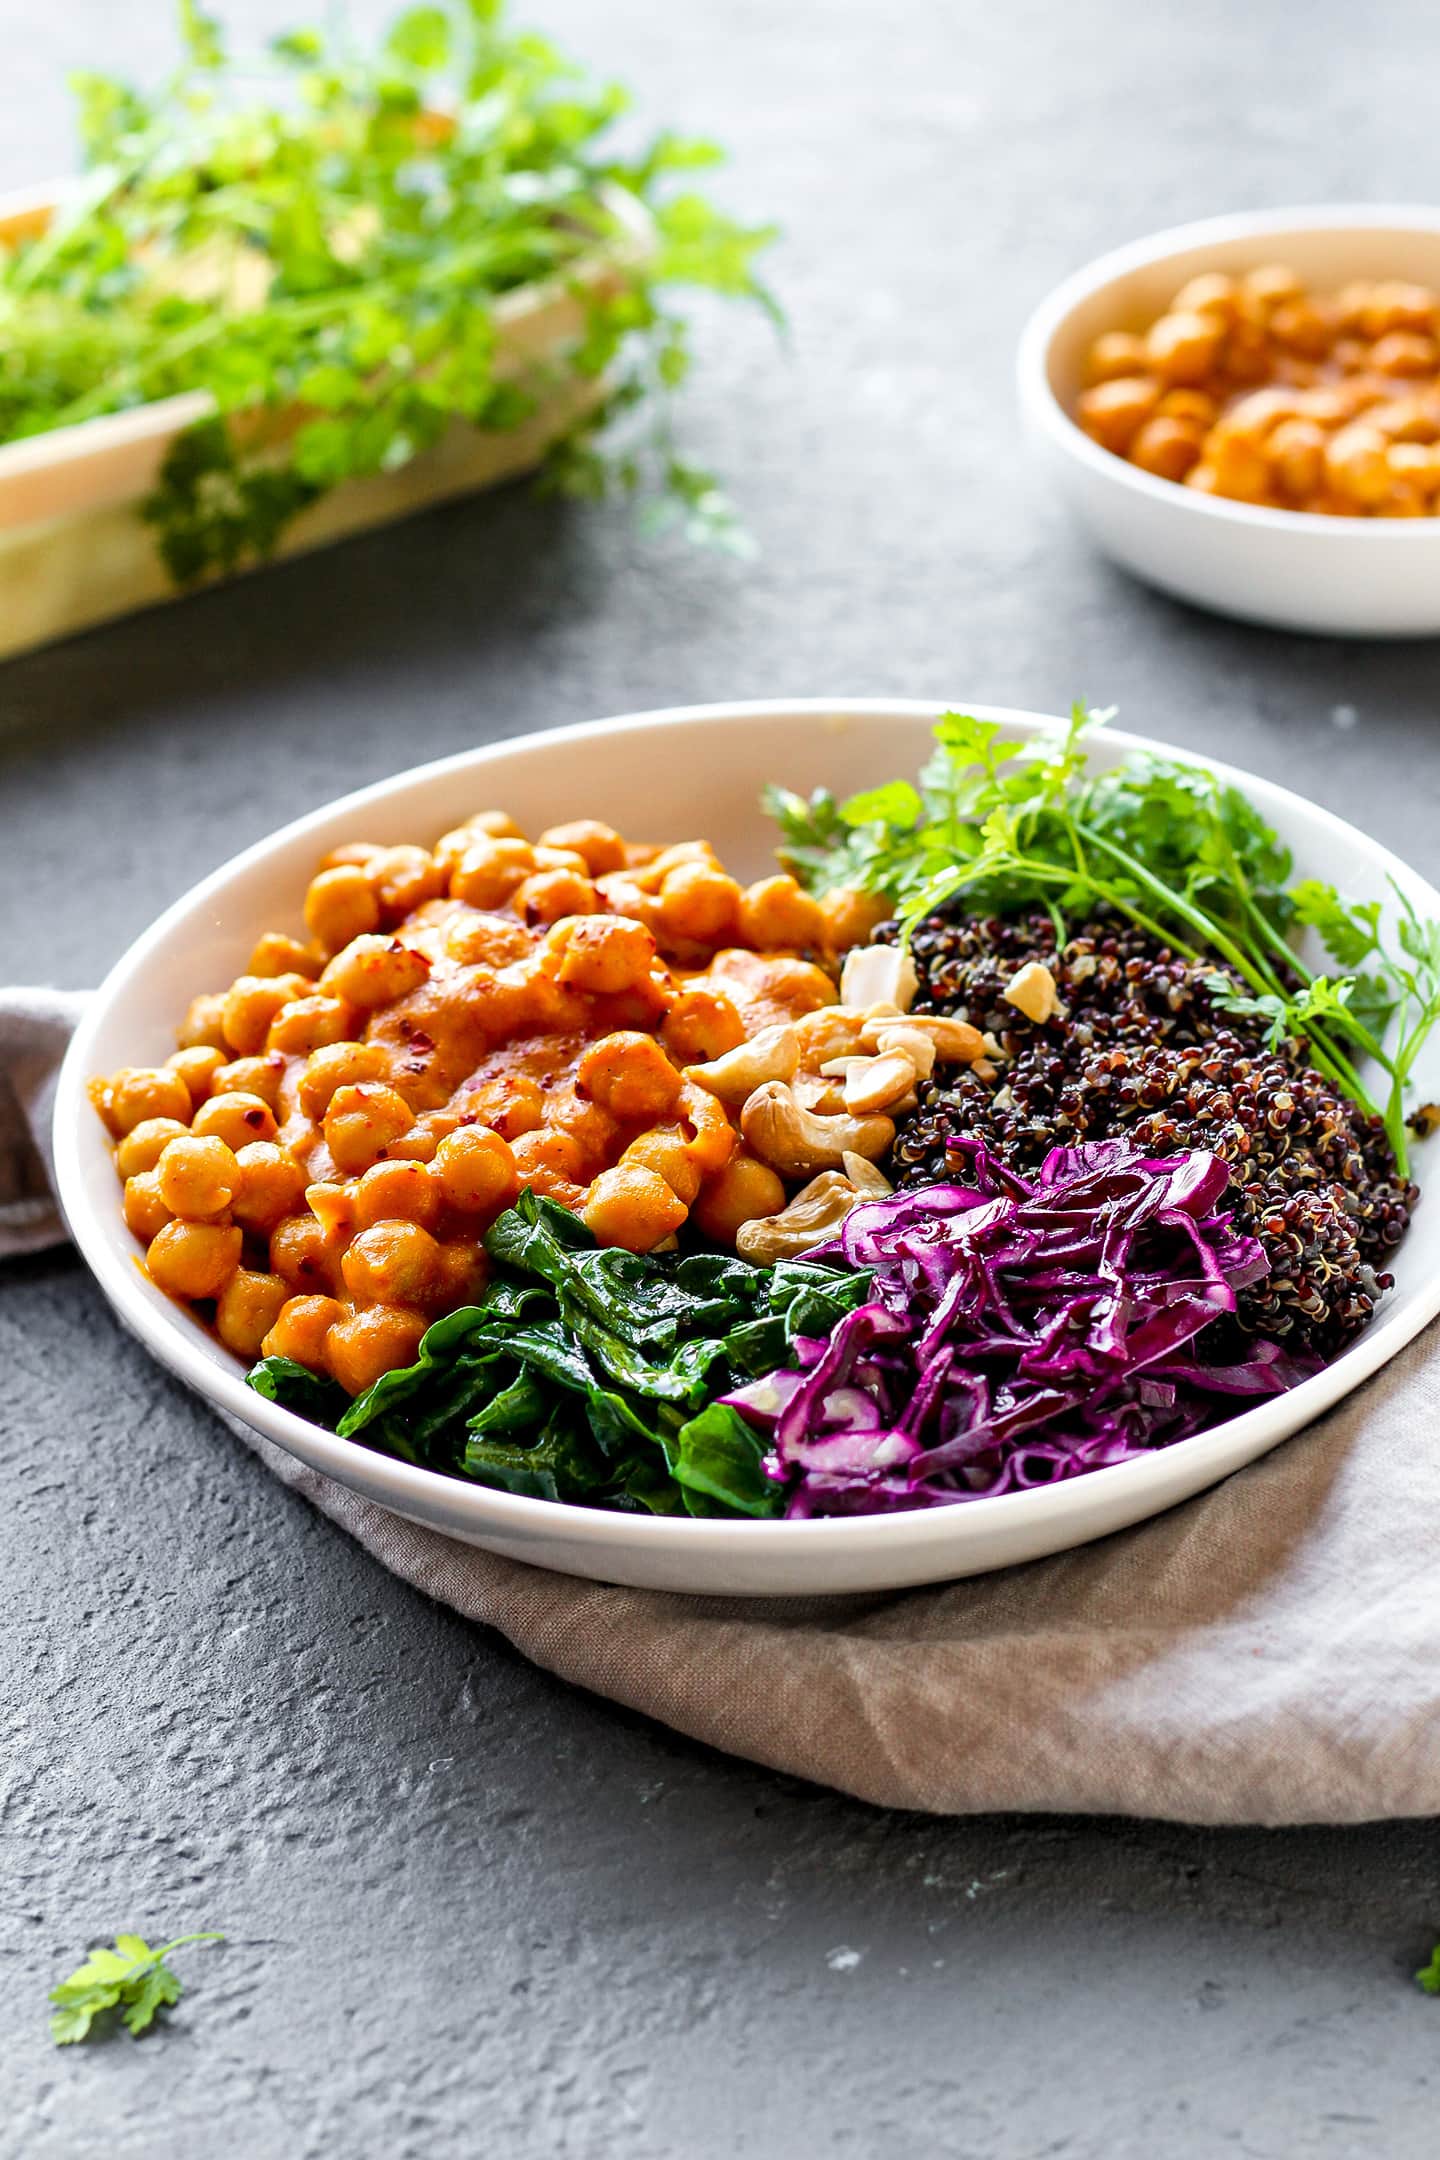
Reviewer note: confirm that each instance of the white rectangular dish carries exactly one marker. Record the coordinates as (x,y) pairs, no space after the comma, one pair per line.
(74,550)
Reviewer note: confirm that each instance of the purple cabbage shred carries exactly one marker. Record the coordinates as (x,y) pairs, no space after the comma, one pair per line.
(1018,1332)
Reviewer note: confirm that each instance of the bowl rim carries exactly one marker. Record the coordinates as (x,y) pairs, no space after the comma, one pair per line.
(174,1339)
(1043,408)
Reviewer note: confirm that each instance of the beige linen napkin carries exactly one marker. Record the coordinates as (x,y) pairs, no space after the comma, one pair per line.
(1268,1653)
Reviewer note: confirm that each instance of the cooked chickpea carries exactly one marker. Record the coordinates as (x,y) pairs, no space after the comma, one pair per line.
(391,1263)
(1355,464)
(262,1076)
(550,895)
(1363,362)
(252,1003)
(462,1274)
(1166,448)
(551,1161)
(713,1138)
(362,1121)
(203,1027)
(632,1207)
(630,1076)
(600,954)
(743,1191)
(198,1178)
(601,846)
(340,906)
(398,1192)
(307,1024)
(375,971)
(193,1259)
(337,1065)
(403,878)
(301,1329)
(362,1346)
(475,1171)
(145,1212)
(1115,354)
(235,1118)
(197,1068)
(777,911)
(850,915)
(510,1106)
(494,941)
(667,1152)
(277,954)
(143,1146)
(143,1093)
(271,1186)
(1114,412)
(1183,348)
(250,1304)
(301,1252)
(699,904)
(701,1025)
(489,871)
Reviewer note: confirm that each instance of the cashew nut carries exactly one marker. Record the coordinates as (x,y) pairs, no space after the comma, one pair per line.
(899,1039)
(795,1141)
(1032,991)
(878,974)
(955,1042)
(828,1032)
(773,1054)
(814,1215)
(878,1082)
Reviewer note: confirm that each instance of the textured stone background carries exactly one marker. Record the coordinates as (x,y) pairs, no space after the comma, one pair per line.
(469,1910)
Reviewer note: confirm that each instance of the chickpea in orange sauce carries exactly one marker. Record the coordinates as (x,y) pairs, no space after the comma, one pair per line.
(317,1164)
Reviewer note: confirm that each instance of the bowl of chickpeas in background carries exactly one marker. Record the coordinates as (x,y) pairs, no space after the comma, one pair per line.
(1245,412)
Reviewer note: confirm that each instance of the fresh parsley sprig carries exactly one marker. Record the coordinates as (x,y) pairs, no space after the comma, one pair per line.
(1428,1977)
(319,245)
(132,1978)
(1005,824)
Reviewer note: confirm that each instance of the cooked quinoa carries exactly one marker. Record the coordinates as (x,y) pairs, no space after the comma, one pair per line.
(1138,1047)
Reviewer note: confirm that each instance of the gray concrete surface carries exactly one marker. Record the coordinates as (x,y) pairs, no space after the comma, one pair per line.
(469,1910)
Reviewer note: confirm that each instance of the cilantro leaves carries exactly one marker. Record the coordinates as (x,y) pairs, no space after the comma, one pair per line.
(132,1978)
(1004,824)
(323,258)
(1428,1977)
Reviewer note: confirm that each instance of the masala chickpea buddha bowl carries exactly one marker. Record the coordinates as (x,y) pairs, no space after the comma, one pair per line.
(1246,412)
(517,1143)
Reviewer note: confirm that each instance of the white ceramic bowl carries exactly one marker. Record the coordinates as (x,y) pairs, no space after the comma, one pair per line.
(671,773)
(1351,577)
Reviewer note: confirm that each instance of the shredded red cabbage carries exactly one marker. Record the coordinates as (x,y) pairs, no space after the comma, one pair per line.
(1018,1332)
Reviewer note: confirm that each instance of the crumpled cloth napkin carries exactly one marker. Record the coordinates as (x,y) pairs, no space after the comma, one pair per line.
(1267,1653)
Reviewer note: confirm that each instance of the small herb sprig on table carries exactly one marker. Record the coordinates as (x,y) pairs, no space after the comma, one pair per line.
(328,243)
(132,1978)
(1005,824)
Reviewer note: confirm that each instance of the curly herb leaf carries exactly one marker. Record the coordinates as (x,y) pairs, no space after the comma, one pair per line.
(1003,825)
(132,1978)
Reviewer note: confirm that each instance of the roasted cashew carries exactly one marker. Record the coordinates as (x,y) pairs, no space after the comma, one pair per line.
(773,1054)
(876,975)
(875,1083)
(1031,990)
(796,1142)
(955,1041)
(814,1215)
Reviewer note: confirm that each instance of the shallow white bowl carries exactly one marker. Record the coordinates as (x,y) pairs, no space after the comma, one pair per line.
(675,774)
(1349,577)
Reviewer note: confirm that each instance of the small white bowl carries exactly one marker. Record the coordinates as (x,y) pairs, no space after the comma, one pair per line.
(1343,577)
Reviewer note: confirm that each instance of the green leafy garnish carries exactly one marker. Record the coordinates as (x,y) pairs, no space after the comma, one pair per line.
(320,244)
(1428,1976)
(590,1374)
(1004,824)
(131,1978)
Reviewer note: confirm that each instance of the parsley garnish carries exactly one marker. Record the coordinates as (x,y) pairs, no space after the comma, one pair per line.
(1006,824)
(320,243)
(132,1978)
(1428,1976)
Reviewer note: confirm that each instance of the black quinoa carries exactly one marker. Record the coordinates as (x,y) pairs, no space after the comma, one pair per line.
(1139,1049)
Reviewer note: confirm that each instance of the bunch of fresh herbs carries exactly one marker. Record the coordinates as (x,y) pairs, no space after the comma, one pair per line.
(591,1374)
(1002,824)
(320,247)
